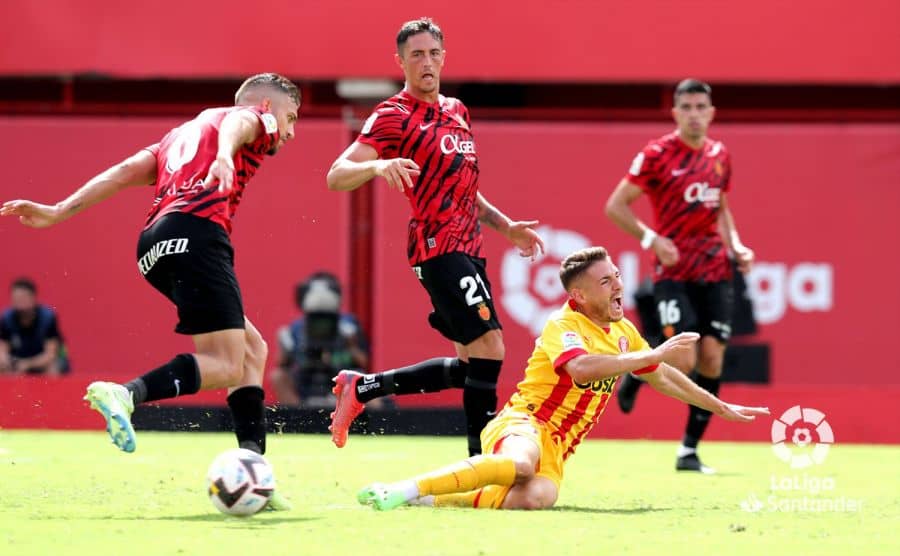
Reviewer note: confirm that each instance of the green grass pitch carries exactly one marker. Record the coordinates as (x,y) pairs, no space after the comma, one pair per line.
(66,493)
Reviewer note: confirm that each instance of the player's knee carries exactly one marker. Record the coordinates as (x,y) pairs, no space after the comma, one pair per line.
(709,365)
(488,346)
(524,469)
(538,494)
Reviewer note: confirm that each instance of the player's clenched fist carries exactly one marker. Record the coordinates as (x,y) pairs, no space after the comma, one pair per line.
(398,172)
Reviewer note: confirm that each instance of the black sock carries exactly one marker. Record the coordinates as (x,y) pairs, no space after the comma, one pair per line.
(480,398)
(698,418)
(248,411)
(432,375)
(178,377)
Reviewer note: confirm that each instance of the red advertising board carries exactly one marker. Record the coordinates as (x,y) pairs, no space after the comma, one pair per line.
(816,203)
(525,40)
(114,323)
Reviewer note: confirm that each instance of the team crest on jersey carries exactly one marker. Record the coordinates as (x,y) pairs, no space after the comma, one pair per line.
(484,312)
(668,331)
(269,123)
(623,344)
(571,340)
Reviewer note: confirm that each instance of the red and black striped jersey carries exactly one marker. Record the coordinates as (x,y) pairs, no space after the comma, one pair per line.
(183,158)
(438,137)
(685,186)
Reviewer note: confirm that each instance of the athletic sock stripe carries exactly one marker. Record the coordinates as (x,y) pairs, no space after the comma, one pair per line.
(480,384)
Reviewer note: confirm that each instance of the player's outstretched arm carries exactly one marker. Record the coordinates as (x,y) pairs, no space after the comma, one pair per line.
(672,382)
(520,233)
(360,164)
(599,366)
(138,169)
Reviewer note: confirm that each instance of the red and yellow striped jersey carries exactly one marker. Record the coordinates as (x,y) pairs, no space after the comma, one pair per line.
(548,392)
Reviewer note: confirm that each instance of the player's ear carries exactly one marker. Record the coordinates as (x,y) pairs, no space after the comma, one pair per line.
(398,59)
(266,103)
(712,113)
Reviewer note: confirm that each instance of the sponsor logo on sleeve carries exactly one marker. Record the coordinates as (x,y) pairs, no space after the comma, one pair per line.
(269,123)
(367,127)
(637,164)
(571,340)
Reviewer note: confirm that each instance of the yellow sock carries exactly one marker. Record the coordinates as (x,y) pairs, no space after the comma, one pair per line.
(489,497)
(469,474)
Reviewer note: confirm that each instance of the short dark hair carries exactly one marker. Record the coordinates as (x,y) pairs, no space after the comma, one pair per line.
(271,80)
(692,86)
(24,284)
(416,26)
(578,262)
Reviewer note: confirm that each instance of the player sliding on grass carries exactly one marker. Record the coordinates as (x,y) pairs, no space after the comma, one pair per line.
(584,347)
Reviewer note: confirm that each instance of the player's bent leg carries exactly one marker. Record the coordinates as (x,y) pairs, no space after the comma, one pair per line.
(352,389)
(537,494)
(220,358)
(114,402)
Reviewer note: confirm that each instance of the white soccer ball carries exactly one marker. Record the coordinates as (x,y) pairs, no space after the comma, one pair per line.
(240,482)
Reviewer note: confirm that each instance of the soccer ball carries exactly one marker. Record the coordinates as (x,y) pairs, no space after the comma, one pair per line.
(240,482)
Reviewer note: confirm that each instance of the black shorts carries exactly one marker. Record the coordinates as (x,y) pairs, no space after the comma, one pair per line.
(461,296)
(190,260)
(694,307)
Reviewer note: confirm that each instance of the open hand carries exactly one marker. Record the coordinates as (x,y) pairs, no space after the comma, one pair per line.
(673,350)
(32,214)
(523,236)
(740,413)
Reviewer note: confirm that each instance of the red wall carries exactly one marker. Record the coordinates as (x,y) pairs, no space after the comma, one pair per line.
(820,197)
(115,324)
(524,40)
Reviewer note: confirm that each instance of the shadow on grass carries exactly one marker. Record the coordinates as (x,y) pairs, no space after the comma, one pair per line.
(251,522)
(620,511)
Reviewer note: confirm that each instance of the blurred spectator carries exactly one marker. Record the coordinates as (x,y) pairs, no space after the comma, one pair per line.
(313,348)
(30,340)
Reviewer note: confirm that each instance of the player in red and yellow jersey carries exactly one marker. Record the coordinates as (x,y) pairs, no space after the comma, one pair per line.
(583,349)
(421,142)
(687,177)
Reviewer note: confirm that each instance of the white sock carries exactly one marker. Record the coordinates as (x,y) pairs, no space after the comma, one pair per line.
(685,451)
(409,489)
(423,501)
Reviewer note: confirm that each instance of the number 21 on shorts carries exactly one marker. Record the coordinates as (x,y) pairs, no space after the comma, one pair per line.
(470,284)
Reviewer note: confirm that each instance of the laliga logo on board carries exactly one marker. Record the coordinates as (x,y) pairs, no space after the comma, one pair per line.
(802,426)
